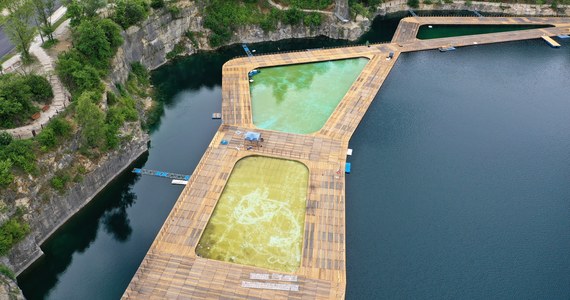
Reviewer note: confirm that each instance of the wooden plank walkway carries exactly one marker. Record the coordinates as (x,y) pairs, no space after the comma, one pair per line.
(171,268)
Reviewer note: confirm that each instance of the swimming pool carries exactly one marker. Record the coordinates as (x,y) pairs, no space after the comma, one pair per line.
(259,218)
(300,98)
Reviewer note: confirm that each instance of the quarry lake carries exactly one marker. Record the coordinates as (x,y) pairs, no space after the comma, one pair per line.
(459,184)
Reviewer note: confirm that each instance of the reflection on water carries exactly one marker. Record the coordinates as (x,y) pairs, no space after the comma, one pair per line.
(260,216)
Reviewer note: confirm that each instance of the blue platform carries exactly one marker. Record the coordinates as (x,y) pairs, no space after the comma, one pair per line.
(347,168)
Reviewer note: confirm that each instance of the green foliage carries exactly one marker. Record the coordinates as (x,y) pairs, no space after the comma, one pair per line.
(313,19)
(54,133)
(112,32)
(91,119)
(96,42)
(40,88)
(177,50)
(156,4)
(76,75)
(293,16)
(448,1)
(5,138)
(174,11)
(47,139)
(130,12)
(358,8)
(59,180)
(427,2)
(308,4)
(81,9)
(17,94)
(6,177)
(141,73)
(224,17)
(415,3)
(17,25)
(11,232)
(4,270)
(61,127)
(21,154)
(91,41)
(44,9)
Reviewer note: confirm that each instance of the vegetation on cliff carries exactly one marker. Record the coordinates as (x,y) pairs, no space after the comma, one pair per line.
(225,17)
(21,96)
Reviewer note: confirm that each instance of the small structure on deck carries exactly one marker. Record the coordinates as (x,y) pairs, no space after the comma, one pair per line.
(390,56)
(252,139)
(550,41)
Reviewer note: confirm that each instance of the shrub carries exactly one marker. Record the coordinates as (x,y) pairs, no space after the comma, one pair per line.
(40,88)
(61,127)
(156,4)
(5,138)
(92,121)
(7,272)
(130,12)
(414,3)
(47,139)
(293,16)
(21,154)
(11,232)
(60,180)
(313,19)
(6,177)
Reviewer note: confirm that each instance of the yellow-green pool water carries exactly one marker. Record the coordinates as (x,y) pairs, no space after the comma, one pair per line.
(301,98)
(260,216)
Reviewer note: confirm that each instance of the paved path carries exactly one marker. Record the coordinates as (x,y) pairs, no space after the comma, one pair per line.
(171,268)
(61,95)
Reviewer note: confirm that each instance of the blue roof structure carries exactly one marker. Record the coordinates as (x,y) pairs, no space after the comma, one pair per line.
(252,136)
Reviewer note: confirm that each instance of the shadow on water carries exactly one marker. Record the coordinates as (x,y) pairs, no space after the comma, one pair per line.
(78,233)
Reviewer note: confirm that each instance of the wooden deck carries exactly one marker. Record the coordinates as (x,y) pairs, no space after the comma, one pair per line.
(171,268)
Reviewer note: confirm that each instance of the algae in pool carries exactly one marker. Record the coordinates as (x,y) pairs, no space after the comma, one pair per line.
(260,215)
(301,98)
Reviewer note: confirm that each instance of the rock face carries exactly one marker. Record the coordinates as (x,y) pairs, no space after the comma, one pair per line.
(9,290)
(155,38)
(488,7)
(46,214)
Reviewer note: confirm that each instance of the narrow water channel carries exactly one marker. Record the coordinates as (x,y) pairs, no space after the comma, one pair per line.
(96,253)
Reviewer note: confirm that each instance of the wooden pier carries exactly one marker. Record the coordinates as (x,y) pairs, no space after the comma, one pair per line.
(552,43)
(171,268)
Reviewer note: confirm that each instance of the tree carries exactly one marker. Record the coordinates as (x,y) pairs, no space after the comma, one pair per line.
(92,121)
(17,25)
(78,10)
(90,39)
(44,9)
(130,12)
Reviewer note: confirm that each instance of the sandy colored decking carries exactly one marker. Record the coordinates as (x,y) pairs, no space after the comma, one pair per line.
(171,268)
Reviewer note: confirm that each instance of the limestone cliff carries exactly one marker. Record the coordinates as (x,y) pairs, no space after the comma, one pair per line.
(150,42)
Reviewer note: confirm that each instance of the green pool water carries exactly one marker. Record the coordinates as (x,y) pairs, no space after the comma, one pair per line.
(442,31)
(260,215)
(301,98)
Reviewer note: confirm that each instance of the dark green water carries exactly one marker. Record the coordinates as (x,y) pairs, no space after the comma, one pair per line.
(459,186)
(441,31)
(95,255)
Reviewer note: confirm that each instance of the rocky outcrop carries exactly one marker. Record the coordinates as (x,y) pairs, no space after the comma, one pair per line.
(150,42)
(47,213)
(9,290)
(488,7)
